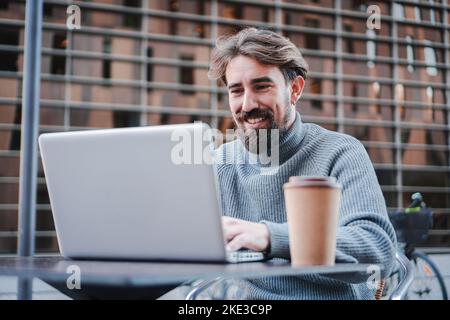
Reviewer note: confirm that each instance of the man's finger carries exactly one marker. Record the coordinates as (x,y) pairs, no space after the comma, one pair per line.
(232,231)
(230,221)
(238,242)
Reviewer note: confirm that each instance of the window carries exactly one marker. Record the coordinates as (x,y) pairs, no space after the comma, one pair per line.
(186,75)
(287,18)
(430,102)
(8,60)
(123,119)
(371,48)
(132,20)
(417,14)
(4,5)
(432,14)
(149,67)
(399,95)
(59,41)
(265,15)
(312,40)
(430,60)
(200,28)
(399,11)
(106,65)
(233,10)
(385,177)
(16,134)
(376,89)
(409,54)
(132,3)
(350,48)
(48,10)
(354,95)
(377,95)
(58,63)
(315,87)
(430,95)
(173,25)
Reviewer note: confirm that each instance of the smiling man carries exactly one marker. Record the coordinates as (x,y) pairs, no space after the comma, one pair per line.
(265,75)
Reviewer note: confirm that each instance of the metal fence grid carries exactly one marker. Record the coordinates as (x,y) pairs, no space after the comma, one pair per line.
(335,39)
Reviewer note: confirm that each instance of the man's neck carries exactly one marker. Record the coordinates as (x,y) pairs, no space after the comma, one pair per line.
(291,118)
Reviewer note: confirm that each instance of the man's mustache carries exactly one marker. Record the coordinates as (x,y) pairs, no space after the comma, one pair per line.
(266,114)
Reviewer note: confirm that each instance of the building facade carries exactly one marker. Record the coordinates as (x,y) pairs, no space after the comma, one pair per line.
(145,62)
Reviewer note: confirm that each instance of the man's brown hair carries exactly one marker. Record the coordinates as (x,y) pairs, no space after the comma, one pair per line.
(265,46)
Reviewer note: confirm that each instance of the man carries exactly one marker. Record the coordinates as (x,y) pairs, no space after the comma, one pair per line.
(265,75)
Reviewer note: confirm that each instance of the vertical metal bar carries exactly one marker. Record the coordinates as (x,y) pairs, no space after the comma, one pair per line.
(29,135)
(278,16)
(339,70)
(214,98)
(397,118)
(447,73)
(144,62)
(67,80)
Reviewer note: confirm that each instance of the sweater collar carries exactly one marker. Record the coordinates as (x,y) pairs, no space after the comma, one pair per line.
(291,140)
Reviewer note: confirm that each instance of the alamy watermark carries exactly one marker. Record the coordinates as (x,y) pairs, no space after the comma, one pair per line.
(374,279)
(199,147)
(73,21)
(374,19)
(74,279)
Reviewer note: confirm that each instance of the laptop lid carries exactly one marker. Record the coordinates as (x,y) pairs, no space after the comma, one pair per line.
(119,194)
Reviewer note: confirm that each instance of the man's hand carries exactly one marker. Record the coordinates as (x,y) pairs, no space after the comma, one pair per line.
(245,234)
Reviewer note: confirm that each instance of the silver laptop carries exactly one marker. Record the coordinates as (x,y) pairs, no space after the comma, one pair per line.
(119,194)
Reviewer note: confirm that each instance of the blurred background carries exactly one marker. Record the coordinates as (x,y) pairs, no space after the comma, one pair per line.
(145,62)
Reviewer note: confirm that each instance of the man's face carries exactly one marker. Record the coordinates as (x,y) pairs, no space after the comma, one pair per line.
(259,96)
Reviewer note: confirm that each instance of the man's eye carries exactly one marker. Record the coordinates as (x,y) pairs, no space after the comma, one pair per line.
(236,91)
(263,86)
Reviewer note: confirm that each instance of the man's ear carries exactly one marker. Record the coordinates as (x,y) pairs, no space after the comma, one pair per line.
(297,86)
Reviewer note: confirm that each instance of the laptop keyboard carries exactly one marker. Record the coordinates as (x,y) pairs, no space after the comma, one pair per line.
(245,256)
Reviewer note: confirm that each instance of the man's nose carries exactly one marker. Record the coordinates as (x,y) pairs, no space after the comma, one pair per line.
(249,102)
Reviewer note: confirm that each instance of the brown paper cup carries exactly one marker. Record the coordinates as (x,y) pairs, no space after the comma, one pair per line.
(312,208)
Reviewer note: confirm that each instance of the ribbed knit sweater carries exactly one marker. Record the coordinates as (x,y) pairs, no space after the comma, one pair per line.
(364,235)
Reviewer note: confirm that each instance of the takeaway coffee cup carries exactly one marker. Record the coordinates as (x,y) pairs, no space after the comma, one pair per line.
(312,207)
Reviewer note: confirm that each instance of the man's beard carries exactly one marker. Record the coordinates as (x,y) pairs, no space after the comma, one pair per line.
(259,140)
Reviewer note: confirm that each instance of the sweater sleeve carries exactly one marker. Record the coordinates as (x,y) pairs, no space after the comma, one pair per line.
(279,239)
(365,234)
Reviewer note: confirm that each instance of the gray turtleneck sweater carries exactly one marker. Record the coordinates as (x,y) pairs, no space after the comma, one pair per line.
(365,234)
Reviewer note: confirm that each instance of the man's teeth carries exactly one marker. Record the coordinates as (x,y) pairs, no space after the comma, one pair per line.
(253,121)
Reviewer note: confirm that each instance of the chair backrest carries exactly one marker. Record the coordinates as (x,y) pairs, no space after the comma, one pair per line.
(406,277)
